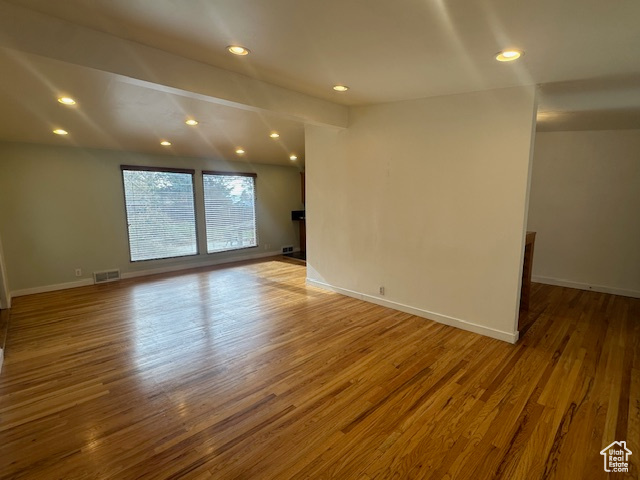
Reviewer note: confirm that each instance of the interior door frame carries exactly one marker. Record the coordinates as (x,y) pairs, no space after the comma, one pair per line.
(5,298)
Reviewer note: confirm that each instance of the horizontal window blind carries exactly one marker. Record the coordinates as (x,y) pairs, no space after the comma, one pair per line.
(230,211)
(160,213)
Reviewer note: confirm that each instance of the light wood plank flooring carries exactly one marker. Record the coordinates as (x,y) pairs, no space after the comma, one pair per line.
(246,372)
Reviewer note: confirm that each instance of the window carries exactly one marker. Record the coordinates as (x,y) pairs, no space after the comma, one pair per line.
(230,210)
(160,212)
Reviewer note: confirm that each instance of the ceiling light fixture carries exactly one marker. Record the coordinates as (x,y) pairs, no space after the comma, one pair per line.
(509,55)
(165,143)
(192,122)
(240,151)
(60,131)
(293,157)
(238,50)
(66,101)
(340,88)
(274,135)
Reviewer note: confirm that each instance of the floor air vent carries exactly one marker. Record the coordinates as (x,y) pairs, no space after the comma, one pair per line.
(106,276)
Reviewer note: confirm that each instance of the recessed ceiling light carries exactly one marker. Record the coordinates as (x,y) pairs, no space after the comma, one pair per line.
(509,55)
(59,131)
(340,88)
(274,135)
(238,50)
(293,157)
(66,101)
(191,122)
(165,143)
(239,151)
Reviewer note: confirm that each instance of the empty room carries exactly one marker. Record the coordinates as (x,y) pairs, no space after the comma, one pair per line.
(319,239)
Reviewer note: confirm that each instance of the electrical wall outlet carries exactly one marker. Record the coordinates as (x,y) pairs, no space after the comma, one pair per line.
(381,290)
(78,272)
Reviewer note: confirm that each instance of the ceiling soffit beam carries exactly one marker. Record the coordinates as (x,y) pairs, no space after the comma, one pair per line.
(32,32)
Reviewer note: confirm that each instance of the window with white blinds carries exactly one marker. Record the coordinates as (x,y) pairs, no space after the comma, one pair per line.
(160,212)
(230,210)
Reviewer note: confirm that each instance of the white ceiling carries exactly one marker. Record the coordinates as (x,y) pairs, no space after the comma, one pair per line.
(583,54)
(114,112)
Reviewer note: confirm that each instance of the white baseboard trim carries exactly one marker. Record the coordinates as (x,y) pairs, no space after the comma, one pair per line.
(52,288)
(585,286)
(143,273)
(436,317)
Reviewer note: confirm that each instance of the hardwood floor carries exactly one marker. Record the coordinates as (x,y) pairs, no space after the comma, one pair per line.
(245,372)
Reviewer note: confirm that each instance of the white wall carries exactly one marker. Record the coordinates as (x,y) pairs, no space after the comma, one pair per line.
(63,208)
(585,206)
(428,199)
